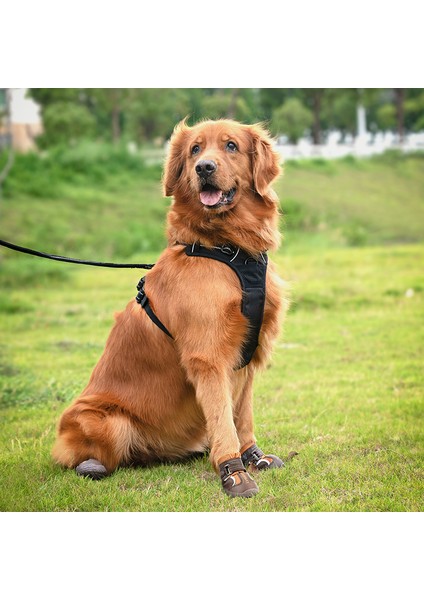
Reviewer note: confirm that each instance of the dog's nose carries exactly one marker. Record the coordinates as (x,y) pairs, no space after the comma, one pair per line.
(204,168)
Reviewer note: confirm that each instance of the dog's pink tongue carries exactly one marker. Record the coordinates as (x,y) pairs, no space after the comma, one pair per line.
(210,198)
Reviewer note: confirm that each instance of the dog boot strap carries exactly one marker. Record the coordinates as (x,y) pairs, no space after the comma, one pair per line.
(235,479)
(254,456)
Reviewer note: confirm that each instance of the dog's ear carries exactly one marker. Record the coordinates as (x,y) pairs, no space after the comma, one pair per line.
(175,161)
(266,161)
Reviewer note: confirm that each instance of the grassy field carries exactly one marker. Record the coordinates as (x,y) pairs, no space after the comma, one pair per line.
(345,388)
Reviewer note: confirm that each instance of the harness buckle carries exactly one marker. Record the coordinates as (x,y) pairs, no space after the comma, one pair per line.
(227,249)
(141,297)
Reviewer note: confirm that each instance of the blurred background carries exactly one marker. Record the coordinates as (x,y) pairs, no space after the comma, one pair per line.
(353,162)
(310,121)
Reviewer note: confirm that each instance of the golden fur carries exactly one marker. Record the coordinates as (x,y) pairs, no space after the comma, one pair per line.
(153,398)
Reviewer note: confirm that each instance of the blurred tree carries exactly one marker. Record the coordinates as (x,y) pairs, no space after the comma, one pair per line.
(320,101)
(66,122)
(153,112)
(271,98)
(386,116)
(66,114)
(252,99)
(372,99)
(400,113)
(194,98)
(149,113)
(401,110)
(235,94)
(46,96)
(108,104)
(339,111)
(3,105)
(414,110)
(225,104)
(340,105)
(313,98)
(6,136)
(292,119)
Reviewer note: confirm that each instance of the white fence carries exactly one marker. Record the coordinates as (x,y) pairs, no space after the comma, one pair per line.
(365,145)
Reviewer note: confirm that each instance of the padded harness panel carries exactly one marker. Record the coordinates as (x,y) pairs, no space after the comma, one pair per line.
(251,273)
(252,276)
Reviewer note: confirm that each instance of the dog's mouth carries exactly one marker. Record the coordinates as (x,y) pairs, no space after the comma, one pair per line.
(212,197)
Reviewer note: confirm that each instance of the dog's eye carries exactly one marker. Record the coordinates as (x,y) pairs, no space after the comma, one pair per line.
(231,146)
(195,149)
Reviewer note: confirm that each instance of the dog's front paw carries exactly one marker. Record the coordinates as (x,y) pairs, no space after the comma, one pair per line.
(235,479)
(259,460)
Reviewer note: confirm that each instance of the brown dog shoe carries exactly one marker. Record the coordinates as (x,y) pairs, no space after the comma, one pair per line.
(91,468)
(254,456)
(235,480)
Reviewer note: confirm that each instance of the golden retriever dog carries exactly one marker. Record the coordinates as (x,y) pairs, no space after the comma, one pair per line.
(166,393)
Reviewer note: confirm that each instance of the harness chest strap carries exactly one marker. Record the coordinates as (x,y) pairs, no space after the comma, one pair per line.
(252,276)
(143,301)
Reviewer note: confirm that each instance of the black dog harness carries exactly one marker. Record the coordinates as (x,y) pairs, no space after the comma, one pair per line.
(252,275)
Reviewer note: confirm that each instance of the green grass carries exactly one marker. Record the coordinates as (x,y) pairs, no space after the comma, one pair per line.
(345,388)
(93,201)
(354,202)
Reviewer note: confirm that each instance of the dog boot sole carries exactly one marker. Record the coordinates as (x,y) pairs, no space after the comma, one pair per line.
(91,468)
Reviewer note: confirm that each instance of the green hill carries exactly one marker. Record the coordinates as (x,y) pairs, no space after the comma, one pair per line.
(99,202)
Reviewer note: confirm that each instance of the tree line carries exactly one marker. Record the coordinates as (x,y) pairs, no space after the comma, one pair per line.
(148,115)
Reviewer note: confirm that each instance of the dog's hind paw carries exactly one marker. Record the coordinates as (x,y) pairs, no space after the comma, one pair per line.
(91,468)
(259,460)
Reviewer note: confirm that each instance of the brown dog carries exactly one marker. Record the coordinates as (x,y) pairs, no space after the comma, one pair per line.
(155,397)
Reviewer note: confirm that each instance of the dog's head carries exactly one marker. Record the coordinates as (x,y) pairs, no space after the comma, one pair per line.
(217,163)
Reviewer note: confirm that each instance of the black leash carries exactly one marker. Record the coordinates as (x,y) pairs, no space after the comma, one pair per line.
(74,260)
